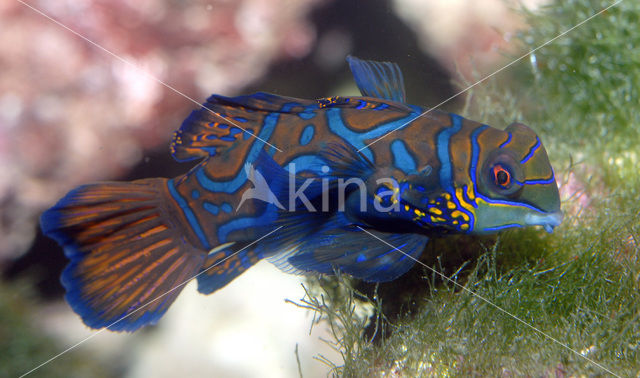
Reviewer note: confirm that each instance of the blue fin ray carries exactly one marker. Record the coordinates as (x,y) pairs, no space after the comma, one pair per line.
(344,161)
(296,222)
(361,255)
(378,79)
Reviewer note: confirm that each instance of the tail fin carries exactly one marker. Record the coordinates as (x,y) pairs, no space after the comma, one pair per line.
(125,252)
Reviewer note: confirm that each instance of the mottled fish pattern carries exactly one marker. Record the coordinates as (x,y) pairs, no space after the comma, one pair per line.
(132,245)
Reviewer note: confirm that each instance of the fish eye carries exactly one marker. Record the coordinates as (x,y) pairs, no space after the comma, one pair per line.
(503,174)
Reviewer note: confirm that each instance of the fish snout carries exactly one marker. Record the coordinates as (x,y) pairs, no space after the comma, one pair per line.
(549,220)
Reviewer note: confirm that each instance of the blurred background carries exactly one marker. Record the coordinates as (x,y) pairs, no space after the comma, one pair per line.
(70,114)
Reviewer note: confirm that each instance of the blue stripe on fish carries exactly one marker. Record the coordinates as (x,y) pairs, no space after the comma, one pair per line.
(475,151)
(532,151)
(309,112)
(506,141)
(231,186)
(442,146)
(210,207)
(188,213)
(337,126)
(307,135)
(311,163)
(497,228)
(269,216)
(402,158)
(550,180)
(539,182)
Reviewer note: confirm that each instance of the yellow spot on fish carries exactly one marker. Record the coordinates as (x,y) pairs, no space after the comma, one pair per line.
(464,203)
(458,213)
(464,227)
(447,196)
(435,210)
(406,207)
(325,102)
(451,205)
(470,193)
(455,222)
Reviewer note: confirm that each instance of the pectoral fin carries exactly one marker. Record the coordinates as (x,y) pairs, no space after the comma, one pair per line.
(369,255)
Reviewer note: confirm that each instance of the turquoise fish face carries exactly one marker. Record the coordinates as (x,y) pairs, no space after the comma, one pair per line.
(512,181)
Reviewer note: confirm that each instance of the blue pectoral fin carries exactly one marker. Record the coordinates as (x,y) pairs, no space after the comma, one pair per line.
(372,256)
(345,162)
(295,219)
(278,188)
(378,79)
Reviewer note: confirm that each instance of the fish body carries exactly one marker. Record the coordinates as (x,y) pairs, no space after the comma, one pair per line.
(342,180)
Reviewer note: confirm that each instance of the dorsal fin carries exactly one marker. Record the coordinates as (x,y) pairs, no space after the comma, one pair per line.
(222,122)
(227,123)
(378,79)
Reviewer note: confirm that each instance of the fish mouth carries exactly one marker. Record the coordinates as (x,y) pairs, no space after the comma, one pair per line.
(548,220)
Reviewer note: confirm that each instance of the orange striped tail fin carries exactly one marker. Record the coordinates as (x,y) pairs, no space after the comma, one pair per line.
(129,261)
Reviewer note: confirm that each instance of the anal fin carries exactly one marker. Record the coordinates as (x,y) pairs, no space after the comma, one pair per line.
(225,263)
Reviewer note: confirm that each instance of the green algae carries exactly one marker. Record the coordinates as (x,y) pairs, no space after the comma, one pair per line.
(23,345)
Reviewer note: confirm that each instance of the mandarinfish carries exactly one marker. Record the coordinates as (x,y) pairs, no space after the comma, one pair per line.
(356,184)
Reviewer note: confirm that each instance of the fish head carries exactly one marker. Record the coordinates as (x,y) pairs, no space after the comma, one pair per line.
(512,182)
(501,179)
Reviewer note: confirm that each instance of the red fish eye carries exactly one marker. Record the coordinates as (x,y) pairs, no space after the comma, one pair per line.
(501,176)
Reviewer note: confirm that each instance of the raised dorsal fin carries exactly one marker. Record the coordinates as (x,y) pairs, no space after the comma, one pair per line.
(378,79)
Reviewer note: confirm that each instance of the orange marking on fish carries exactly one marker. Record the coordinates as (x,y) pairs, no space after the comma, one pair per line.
(144,252)
(154,230)
(107,279)
(161,279)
